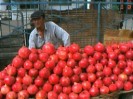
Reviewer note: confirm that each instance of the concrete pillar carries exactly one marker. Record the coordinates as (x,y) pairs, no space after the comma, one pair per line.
(88,5)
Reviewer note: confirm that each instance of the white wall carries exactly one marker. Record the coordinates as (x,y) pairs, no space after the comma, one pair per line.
(2,7)
(56,7)
(49,7)
(65,7)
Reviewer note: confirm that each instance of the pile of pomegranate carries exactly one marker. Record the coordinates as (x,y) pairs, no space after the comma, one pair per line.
(68,72)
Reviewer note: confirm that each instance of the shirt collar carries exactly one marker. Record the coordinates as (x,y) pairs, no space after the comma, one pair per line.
(45,29)
(45,26)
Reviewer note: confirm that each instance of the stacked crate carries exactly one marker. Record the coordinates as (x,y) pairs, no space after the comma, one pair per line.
(117,36)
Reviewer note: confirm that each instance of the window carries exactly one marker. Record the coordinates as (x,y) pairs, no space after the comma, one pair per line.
(23,5)
(28,6)
(60,2)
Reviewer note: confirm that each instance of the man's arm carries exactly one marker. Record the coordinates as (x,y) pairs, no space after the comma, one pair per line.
(31,42)
(62,34)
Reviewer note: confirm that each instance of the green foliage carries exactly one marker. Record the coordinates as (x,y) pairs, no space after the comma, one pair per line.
(115,7)
(6,0)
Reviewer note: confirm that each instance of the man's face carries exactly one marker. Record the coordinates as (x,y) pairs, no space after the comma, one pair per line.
(38,22)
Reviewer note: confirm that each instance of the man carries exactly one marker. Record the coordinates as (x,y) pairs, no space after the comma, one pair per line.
(46,32)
